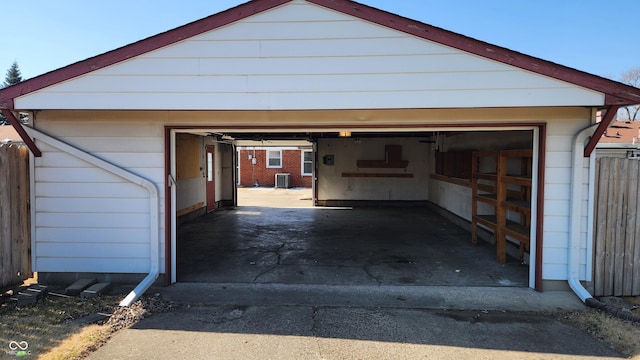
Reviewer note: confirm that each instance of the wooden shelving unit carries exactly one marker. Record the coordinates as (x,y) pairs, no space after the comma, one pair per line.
(502,181)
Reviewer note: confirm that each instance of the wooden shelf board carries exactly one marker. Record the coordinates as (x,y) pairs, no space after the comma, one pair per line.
(376,175)
(488,199)
(486,153)
(517,180)
(485,176)
(486,220)
(453,180)
(381,164)
(523,153)
(503,195)
(523,207)
(517,231)
(486,188)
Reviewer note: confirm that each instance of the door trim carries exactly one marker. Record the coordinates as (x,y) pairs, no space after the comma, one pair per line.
(210,177)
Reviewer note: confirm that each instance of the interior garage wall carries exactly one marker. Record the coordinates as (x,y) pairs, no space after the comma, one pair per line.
(190,180)
(456,198)
(191,192)
(335,183)
(224,173)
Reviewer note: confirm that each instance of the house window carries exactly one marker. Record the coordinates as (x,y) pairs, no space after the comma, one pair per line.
(274,158)
(307,163)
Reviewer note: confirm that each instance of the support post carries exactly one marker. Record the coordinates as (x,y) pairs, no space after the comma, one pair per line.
(604,124)
(23,134)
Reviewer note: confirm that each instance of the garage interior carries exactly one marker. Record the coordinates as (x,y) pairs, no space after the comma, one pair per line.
(402,237)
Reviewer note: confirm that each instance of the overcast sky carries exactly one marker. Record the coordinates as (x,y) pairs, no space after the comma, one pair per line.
(599,37)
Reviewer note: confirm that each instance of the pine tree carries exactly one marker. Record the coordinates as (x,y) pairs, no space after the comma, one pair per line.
(13,77)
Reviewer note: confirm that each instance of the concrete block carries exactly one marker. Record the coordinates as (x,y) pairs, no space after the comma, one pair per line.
(23,298)
(96,290)
(77,287)
(40,290)
(37,294)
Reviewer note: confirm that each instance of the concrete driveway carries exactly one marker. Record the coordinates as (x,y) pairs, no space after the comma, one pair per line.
(318,332)
(270,321)
(298,320)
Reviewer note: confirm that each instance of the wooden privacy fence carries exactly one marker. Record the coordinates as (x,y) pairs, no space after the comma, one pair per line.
(15,240)
(617,232)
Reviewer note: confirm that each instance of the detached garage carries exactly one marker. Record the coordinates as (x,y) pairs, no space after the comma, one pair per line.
(130,143)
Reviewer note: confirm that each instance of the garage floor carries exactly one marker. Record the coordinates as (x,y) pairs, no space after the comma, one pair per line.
(275,236)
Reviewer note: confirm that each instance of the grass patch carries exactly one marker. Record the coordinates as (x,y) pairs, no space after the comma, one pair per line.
(79,344)
(63,327)
(620,335)
(51,322)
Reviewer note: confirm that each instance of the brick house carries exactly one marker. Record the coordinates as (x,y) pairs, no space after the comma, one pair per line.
(258,166)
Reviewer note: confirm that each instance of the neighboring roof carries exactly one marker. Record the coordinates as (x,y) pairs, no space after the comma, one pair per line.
(627,132)
(7,132)
(615,93)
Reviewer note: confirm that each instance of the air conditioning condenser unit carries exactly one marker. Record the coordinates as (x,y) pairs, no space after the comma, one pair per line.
(283,181)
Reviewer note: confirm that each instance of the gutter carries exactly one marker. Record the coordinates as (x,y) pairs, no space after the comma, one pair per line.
(154,207)
(575,212)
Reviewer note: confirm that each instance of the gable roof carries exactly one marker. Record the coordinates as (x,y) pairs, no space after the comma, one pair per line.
(615,93)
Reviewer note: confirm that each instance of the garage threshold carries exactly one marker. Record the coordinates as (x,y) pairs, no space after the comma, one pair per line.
(279,238)
(409,297)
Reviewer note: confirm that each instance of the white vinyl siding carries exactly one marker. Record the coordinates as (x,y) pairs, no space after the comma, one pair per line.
(87,219)
(298,56)
(559,160)
(275,60)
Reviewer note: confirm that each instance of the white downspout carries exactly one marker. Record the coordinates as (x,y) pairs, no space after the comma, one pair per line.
(575,212)
(154,207)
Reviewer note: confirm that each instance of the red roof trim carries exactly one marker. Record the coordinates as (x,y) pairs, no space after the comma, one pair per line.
(615,93)
(138,48)
(22,132)
(604,124)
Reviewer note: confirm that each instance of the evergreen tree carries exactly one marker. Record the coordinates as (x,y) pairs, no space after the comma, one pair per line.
(13,77)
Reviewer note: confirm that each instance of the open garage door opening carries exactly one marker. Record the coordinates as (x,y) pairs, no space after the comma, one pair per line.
(392,208)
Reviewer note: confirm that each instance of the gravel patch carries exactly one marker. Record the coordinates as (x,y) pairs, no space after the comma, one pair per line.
(126,316)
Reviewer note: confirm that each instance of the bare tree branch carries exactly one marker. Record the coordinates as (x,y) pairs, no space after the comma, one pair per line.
(631,77)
